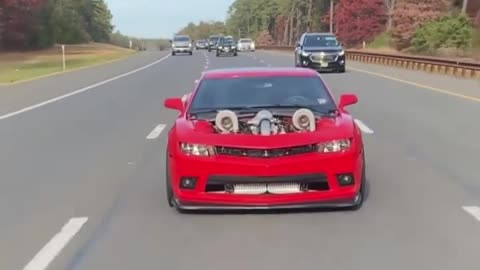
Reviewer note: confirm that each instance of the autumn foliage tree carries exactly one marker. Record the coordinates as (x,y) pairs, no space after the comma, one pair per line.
(412,14)
(264,38)
(358,20)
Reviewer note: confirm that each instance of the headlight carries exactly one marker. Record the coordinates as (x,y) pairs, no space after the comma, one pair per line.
(189,45)
(173,45)
(342,52)
(192,149)
(234,47)
(334,146)
(220,47)
(306,54)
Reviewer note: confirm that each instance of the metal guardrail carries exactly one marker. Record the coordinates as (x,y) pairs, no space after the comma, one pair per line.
(458,68)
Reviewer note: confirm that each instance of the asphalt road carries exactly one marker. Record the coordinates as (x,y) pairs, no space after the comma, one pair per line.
(84,160)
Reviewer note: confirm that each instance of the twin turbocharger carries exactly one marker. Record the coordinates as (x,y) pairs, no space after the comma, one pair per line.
(264,123)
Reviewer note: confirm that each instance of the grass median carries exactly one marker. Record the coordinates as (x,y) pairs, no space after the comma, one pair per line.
(21,66)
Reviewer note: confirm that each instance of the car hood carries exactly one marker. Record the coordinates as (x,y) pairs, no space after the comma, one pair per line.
(322,49)
(201,132)
(181,43)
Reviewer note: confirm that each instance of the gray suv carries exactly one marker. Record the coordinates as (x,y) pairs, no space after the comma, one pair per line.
(182,44)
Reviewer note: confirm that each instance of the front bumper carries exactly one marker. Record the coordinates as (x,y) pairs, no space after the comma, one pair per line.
(227,50)
(208,171)
(336,65)
(182,50)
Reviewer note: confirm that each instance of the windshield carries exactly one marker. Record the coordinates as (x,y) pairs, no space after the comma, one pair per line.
(227,41)
(214,39)
(246,92)
(320,41)
(181,39)
(245,41)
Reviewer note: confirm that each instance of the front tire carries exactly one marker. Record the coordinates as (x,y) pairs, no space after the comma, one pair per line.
(218,54)
(342,70)
(362,192)
(191,53)
(173,53)
(168,184)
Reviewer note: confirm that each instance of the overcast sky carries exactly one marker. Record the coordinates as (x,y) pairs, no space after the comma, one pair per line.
(161,18)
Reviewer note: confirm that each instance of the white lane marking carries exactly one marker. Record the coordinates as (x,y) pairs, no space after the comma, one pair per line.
(156,132)
(363,127)
(8,115)
(48,253)
(473,210)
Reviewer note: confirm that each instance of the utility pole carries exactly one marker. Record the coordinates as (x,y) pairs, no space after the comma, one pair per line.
(331,16)
(465,4)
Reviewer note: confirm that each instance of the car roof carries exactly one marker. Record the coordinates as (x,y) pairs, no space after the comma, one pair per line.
(176,36)
(259,72)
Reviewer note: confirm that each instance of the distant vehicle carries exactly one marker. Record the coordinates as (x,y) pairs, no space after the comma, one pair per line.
(212,42)
(246,44)
(320,51)
(227,46)
(182,44)
(263,138)
(201,45)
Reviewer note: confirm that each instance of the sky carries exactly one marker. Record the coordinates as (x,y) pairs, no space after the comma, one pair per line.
(162,18)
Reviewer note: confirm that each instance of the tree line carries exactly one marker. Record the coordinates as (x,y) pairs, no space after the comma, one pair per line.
(37,24)
(414,25)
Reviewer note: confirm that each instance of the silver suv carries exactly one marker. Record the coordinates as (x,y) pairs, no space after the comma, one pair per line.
(182,44)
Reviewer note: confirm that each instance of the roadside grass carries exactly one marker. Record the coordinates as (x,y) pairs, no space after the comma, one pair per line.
(20,66)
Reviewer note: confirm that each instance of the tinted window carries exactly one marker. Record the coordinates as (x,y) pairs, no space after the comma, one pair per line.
(227,41)
(225,93)
(320,41)
(214,39)
(245,41)
(181,39)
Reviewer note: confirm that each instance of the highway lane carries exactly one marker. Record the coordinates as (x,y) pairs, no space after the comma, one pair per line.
(88,156)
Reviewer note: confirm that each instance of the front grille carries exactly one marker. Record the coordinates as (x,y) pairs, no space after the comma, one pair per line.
(324,57)
(266,153)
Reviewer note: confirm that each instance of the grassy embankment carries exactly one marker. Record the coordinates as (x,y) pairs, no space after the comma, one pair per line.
(20,66)
(383,44)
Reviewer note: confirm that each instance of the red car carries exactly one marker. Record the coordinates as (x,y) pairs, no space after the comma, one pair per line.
(263,138)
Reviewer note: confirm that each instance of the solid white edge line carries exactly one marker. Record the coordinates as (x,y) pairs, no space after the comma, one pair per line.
(473,211)
(51,250)
(156,132)
(8,115)
(363,127)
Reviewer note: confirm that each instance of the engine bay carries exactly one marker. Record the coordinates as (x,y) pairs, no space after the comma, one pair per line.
(264,123)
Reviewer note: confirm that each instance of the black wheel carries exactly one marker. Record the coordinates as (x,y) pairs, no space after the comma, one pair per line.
(209,50)
(235,54)
(191,53)
(168,184)
(173,53)
(218,54)
(342,70)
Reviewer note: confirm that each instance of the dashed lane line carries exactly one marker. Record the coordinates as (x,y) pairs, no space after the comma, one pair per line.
(51,250)
(156,131)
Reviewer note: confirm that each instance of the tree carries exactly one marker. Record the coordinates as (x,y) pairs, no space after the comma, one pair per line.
(359,20)
(390,6)
(409,15)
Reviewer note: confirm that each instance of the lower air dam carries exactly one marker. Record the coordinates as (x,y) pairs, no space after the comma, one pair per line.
(255,189)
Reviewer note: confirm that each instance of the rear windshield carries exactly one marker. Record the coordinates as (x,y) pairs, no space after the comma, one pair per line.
(181,39)
(258,91)
(320,41)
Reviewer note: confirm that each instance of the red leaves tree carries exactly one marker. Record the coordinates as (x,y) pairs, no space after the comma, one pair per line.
(16,21)
(356,21)
(411,14)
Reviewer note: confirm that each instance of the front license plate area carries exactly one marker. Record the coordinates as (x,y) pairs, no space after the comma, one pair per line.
(261,188)
(324,64)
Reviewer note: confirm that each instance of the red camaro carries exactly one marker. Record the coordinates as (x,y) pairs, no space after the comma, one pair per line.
(264,138)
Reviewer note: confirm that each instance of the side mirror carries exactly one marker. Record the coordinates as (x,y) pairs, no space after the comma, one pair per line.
(347,99)
(174,104)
